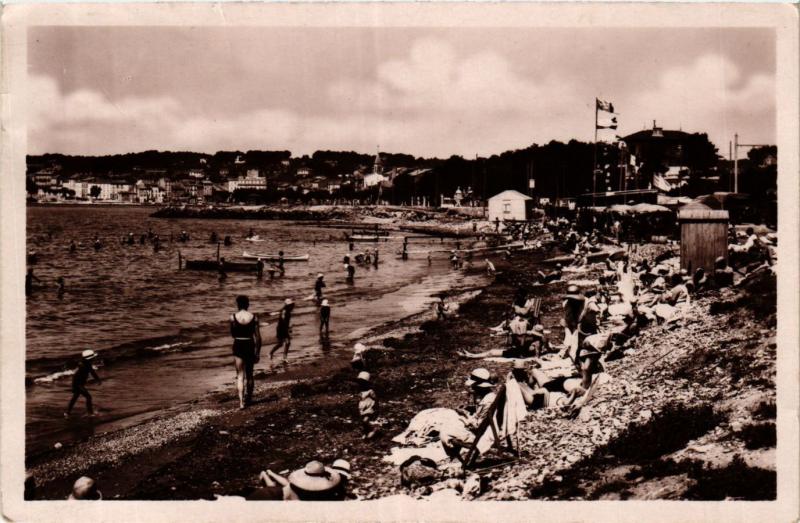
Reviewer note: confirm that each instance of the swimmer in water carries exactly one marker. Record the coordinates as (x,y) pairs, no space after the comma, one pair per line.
(246,349)
(79,380)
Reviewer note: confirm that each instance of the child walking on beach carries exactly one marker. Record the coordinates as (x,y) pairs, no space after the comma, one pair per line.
(366,405)
(79,380)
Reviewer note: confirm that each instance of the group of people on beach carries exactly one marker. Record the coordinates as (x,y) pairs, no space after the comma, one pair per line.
(599,322)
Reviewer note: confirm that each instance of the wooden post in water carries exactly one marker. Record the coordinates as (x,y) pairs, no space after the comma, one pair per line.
(217,252)
(179,260)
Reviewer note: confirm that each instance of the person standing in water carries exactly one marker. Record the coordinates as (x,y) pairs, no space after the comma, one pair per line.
(72,246)
(29,277)
(246,349)
(324,317)
(351,272)
(318,286)
(79,380)
(280,262)
(60,287)
(221,270)
(284,329)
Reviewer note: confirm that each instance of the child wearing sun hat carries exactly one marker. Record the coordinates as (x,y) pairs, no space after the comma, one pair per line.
(366,405)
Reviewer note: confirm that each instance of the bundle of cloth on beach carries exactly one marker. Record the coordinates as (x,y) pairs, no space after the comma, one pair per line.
(428,428)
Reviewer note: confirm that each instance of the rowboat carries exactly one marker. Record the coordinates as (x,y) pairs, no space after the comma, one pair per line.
(213,265)
(254,239)
(367,238)
(274,257)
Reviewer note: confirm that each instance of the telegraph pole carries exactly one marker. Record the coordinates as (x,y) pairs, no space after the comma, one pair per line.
(736,163)
(594,163)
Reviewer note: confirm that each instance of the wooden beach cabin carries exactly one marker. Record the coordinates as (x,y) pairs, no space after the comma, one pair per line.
(510,205)
(704,236)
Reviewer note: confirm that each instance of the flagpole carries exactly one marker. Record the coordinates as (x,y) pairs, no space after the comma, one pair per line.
(594,163)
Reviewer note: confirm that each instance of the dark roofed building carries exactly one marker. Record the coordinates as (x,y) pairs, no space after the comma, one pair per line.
(659,146)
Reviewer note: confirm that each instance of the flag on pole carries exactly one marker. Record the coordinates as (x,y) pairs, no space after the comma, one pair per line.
(604,106)
(610,123)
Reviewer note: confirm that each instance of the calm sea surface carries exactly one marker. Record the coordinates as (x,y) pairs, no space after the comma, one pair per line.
(162,333)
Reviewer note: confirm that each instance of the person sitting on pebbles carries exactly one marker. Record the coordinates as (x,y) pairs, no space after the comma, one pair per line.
(539,391)
(314,482)
(366,405)
(533,346)
(481,385)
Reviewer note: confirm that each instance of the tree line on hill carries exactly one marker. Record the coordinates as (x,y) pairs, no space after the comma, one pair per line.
(558,169)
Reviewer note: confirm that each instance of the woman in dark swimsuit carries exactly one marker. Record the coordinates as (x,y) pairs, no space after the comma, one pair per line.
(246,348)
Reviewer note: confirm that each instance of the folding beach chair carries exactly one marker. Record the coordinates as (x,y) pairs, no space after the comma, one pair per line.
(493,419)
(536,309)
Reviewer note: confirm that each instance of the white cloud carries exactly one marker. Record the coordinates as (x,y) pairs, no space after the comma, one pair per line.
(710,95)
(432,102)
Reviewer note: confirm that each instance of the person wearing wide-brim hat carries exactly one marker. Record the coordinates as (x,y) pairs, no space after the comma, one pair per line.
(85,488)
(314,482)
(342,467)
(481,385)
(79,379)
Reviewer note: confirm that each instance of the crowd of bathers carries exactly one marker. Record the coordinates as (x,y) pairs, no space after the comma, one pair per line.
(601,316)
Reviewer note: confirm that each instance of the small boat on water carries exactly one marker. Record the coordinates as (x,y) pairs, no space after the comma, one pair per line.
(367,238)
(255,238)
(213,265)
(274,257)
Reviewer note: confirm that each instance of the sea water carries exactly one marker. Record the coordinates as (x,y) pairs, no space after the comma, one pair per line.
(163,333)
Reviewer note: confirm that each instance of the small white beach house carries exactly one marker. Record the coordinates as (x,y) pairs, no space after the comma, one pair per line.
(510,205)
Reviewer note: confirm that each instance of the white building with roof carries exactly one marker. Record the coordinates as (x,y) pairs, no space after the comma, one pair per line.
(510,205)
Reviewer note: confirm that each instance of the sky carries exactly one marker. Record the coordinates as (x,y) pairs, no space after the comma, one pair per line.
(422,91)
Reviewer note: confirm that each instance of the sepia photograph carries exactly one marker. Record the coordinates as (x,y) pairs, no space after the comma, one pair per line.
(415,260)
